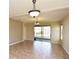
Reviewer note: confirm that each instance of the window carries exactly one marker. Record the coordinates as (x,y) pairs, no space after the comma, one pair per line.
(61,32)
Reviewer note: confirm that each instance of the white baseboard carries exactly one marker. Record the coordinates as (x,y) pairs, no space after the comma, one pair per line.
(65,50)
(56,42)
(15,42)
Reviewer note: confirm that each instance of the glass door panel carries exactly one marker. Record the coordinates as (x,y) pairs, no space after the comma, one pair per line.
(37,31)
(42,32)
(46,32)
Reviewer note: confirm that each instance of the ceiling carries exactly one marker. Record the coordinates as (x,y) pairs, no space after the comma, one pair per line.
(51,10)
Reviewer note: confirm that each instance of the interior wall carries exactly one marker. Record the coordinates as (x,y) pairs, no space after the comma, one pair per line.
(19,31)
(15,31)
(65,42)
(24,32)
(55,30)
(28,32)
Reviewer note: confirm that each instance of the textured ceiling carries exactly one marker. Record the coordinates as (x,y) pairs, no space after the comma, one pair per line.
(51,10)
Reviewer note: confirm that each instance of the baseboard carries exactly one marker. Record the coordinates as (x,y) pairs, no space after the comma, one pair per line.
(56,42)
(65,50)
(15,42)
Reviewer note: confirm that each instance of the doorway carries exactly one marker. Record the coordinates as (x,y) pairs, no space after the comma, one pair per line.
(42,33)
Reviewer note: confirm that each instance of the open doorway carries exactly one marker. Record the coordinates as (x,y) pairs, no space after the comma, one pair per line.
(42,33)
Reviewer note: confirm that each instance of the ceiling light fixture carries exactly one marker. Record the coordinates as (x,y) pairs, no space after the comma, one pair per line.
(37,23)
(34,12)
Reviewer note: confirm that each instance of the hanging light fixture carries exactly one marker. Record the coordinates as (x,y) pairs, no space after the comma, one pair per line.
(37,22)
(34,12)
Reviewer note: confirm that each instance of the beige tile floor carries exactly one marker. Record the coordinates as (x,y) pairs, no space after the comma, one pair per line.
(37,50)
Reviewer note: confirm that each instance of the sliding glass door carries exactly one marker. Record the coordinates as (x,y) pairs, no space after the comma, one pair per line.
(46,32)
(42,32)
(37,32)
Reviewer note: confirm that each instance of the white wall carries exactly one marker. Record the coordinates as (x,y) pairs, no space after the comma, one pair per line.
(65,42)
(28,31)
(55,36)
(24,31)
(15,31)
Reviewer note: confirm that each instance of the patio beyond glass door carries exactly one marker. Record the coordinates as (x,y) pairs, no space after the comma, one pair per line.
(42,32)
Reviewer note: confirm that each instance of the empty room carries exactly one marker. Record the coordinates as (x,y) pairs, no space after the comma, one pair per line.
(38,29)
